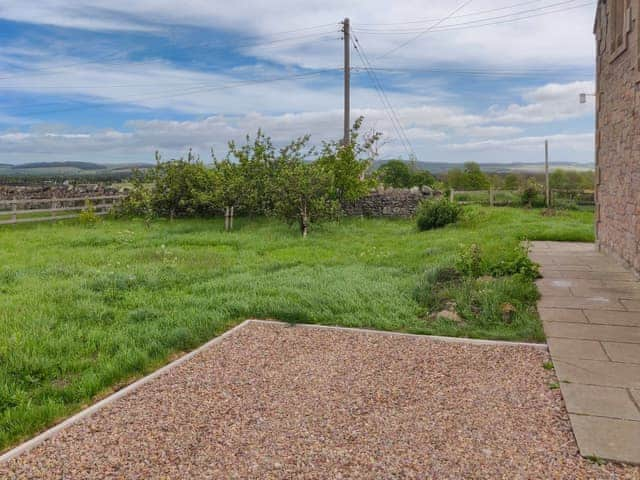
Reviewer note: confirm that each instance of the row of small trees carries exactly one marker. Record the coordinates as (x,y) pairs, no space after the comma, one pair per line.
(298,183)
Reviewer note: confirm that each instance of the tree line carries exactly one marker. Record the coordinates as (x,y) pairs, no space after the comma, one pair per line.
(469,177)
(298,183)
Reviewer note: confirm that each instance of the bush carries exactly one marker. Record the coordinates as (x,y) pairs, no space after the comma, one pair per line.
(470,261)
(436,214)
(518,262)
(532,194)
(88,215)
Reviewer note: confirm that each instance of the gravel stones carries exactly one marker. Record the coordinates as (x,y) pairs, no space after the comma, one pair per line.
(271,401)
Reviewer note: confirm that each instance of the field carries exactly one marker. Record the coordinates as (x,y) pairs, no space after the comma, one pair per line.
(85,309)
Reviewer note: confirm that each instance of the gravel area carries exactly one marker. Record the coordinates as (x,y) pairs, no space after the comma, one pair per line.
(271,401)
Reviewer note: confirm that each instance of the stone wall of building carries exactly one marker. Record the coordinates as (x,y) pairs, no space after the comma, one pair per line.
(618,140)
(390,202)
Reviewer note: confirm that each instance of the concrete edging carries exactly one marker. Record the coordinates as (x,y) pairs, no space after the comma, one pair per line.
(47,434)
(37,440)
(435,338)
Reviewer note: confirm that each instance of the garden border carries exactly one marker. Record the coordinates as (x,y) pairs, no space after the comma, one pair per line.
(47,434)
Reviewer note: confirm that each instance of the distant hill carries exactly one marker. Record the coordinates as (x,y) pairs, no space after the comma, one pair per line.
(78,165)
(444,167)
(88,171)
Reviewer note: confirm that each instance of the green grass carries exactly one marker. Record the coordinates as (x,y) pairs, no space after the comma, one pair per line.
(83,309)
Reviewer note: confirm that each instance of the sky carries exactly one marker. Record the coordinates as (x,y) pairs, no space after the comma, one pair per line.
(444,80)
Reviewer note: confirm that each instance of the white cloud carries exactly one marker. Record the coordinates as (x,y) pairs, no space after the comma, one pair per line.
(562,38)
(548,103)
(582,142)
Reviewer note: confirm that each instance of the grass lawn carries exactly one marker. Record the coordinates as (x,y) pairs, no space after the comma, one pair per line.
(84,309)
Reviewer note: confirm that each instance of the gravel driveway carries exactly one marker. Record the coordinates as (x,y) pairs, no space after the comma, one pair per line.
(271,401)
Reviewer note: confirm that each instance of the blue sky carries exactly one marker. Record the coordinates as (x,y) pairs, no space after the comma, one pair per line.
(114,81)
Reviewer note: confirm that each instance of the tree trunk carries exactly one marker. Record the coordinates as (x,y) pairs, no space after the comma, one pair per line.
(231,218)
(226,219)
(304,222)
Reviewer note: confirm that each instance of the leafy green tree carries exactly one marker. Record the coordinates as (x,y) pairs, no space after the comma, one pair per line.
(420,178)
(395,173)
(511,181)
(470,177)
(400,174)
(303,191)
(180,187)
(230,189)
(349,163)
(474,177)
(256,161)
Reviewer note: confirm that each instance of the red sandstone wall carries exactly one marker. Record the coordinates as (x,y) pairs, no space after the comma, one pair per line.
(618,146)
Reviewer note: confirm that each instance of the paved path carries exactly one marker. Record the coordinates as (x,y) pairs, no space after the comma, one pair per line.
(590,308)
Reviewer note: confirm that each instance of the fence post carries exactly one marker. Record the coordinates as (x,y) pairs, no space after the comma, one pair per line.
(226,219)
(491,195)
(451,196)
(14,209)
(53,206)
(231,219)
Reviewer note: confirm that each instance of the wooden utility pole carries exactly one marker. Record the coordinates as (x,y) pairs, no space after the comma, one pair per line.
(547,192)
(346,30)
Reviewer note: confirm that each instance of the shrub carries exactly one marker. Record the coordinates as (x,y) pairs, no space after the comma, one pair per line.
(88,215)
(470,261)
(518,262)
(531,194)
(437,213)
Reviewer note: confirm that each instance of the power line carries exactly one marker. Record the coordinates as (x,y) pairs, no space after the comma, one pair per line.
(386,103)
(498,73)
(444,19)
(478,23)
(172,94)
(57,68)
(465,15)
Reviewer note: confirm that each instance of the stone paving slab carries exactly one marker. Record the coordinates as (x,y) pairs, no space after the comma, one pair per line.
(623,319)
(590,309)
(623,352)
(562,315)
(608,438)
(599,401)
(596,372)
(611,333)
(580,349)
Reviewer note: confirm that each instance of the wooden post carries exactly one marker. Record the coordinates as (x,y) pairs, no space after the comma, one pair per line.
(451,196)
(53,206)
(231,218)
(546,174)
(14,209)
(226,219)
(491,195)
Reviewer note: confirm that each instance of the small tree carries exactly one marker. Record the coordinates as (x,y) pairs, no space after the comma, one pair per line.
(303,193)
(256,161)
(395,173)
(180,187)
(511,181)
(230,189)
(349,163)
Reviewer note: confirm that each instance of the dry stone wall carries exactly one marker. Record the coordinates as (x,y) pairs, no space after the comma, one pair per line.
(390,202)
(9,192)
